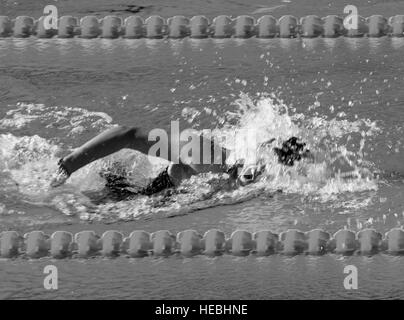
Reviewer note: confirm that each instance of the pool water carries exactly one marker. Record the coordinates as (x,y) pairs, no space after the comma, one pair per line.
(342,96)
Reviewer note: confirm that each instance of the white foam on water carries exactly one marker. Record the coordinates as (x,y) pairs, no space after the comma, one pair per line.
(335,169)
(74,120)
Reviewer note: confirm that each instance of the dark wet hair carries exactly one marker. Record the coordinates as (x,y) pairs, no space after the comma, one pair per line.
(292,150)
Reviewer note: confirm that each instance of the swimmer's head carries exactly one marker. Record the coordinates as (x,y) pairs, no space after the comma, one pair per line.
(291,151)
(249,174)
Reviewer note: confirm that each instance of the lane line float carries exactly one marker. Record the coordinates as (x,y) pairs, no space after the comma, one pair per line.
(188,243)
(222,26)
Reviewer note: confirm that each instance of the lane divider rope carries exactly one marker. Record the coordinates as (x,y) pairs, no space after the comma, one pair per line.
(85,244)
(223,26)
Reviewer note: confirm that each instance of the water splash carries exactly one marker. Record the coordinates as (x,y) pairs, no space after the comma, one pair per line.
(27,162)
(336,168)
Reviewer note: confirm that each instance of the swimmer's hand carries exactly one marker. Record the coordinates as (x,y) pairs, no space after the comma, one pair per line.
(60,176)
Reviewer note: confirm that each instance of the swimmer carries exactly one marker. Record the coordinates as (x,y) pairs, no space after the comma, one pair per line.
(120,137)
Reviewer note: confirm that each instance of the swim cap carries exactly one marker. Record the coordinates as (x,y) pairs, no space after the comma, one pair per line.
(291,151)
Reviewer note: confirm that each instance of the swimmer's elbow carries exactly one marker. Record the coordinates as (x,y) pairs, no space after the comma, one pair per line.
(135,139)
(128,133)
(125,130)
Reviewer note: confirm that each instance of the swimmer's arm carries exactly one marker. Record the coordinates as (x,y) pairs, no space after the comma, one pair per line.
(120,137)
(104,144)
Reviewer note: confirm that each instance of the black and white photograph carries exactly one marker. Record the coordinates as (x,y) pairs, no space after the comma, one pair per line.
(218,152)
